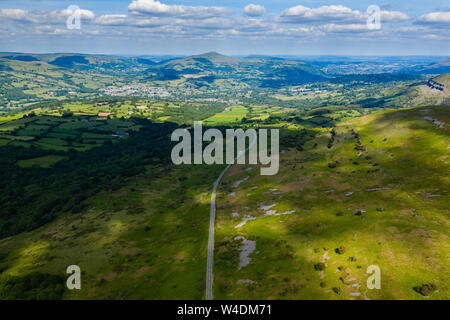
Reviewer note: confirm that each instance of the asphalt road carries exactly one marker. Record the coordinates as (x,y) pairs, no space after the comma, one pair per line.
(212,220)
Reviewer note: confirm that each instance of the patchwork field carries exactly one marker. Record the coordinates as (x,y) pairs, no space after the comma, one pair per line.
(63,133)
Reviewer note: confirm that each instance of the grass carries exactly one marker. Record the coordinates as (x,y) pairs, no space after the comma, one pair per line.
(234,114)
(400,229)
(149,239)
(146,240)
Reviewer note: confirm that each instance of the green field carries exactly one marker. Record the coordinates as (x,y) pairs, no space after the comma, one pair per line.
(233,114)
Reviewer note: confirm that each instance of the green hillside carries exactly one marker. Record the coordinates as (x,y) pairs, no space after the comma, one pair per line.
(371,192)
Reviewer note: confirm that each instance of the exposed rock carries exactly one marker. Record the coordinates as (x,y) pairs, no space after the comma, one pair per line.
(247,248)
(237,183)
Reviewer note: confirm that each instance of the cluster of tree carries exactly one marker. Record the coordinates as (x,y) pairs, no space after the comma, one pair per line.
(295,140)
(34,196)
(34,286)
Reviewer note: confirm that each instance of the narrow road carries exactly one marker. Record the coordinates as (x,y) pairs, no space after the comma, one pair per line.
(212,220)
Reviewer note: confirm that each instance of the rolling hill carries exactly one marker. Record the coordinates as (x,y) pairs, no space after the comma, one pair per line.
(213,66)
(103,64)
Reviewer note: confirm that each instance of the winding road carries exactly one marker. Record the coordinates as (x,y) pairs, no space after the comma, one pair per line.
(212,219)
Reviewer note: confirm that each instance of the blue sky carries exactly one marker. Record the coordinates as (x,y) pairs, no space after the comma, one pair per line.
(234,27)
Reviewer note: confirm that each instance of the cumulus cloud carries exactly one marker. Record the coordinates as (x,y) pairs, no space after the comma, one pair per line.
(325,14)
(435,18)
(116,20)
(156,8)
(335,14)
(254,10)
(152,18)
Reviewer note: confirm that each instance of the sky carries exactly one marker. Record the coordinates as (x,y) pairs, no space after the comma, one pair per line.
(184,27)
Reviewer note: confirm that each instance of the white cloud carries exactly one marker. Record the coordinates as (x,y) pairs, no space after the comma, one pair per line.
(324,14)
(125,20)
(254,25)
(14,14)
(84,14)
(254,10)
(435,18)
(156,8)
(335,14)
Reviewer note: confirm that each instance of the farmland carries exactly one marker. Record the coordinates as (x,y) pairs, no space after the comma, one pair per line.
(64,133)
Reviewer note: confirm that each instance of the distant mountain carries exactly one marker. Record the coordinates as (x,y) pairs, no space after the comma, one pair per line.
(204,69)
(215,57)
(438,68)
(208,69)
(111,65)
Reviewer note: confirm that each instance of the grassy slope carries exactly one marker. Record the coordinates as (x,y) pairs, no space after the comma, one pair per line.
(138,242)
(423,95)
(121,258)
(408,240)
